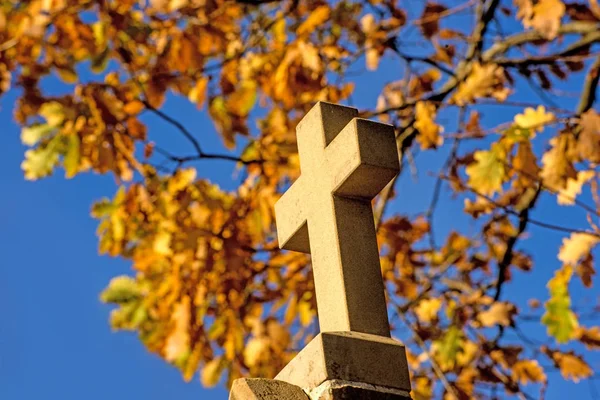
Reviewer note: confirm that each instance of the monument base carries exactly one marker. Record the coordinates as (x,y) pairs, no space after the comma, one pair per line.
(271,389)
(351,357)
(336,366)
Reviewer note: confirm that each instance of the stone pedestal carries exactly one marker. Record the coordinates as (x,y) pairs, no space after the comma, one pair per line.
(336,366)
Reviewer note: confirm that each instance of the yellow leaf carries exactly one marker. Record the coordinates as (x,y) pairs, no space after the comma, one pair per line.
(31,135)
(71,155)
(534,119)
(557,163)
(429,132)
(254,350)
(526,371)
(568,195)
(53,112)
(488,172)
(500,313)
(181,180)
(577,246)
(305,310)
(544,17)
(211,373)
(572,366)
(422,389)
(178,341)
(484,81)
(427,309)
(317,17)
(40,162)
(162,243)
(197,94)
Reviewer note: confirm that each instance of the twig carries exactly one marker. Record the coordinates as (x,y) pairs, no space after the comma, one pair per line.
(512,241)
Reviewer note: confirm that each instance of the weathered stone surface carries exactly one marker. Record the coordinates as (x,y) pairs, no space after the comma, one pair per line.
(265,389)
(349,356)
(345,161)
(342,390)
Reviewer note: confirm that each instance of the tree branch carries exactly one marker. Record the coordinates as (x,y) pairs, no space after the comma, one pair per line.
(512,241)
(588,94)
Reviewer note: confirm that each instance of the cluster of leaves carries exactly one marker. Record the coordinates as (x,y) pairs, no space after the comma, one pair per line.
(211,292)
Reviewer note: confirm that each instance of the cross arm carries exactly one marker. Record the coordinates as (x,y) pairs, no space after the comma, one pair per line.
(290,216)
(363,158)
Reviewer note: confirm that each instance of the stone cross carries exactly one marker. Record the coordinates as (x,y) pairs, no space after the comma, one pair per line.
(345,162)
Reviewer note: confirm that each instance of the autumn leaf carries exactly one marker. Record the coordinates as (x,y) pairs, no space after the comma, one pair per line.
(499,313)
(568,195)
(534,119)
(526,371)
(588,142)
(40,162)
(429,133)
(485,80)
(558,318)
(447,348)
(178,341)
(488,172)
(429,21)
(211,373)
(427,309)
(571,365)
(121,289)
(544,16)
(577,246)
(317,17)
(557,164)
(589,336)
(31,135)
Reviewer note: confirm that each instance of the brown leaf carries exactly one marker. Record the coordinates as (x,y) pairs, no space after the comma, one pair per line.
(589,336)
(429,21)
(588,141)
(585,270)
(557,163)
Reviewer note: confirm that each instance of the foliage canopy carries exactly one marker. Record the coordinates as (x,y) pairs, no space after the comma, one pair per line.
(210,291)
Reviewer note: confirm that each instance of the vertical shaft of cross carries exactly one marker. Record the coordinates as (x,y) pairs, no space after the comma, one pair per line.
(345,162)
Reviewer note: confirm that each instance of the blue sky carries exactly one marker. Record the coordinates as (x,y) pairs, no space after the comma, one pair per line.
(55,340)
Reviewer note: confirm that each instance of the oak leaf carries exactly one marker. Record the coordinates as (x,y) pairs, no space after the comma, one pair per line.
(571,365)
(544,17)
(211,373)
(588,141)
(526,371)
(559,319)
(534,119)
(568,195)
(488,172)
(576,247)
(484,80)
(316,18)
(31,135)
(447,348)
(499,313)
(589,336)
(427,309)
(429,132)
(557,163)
